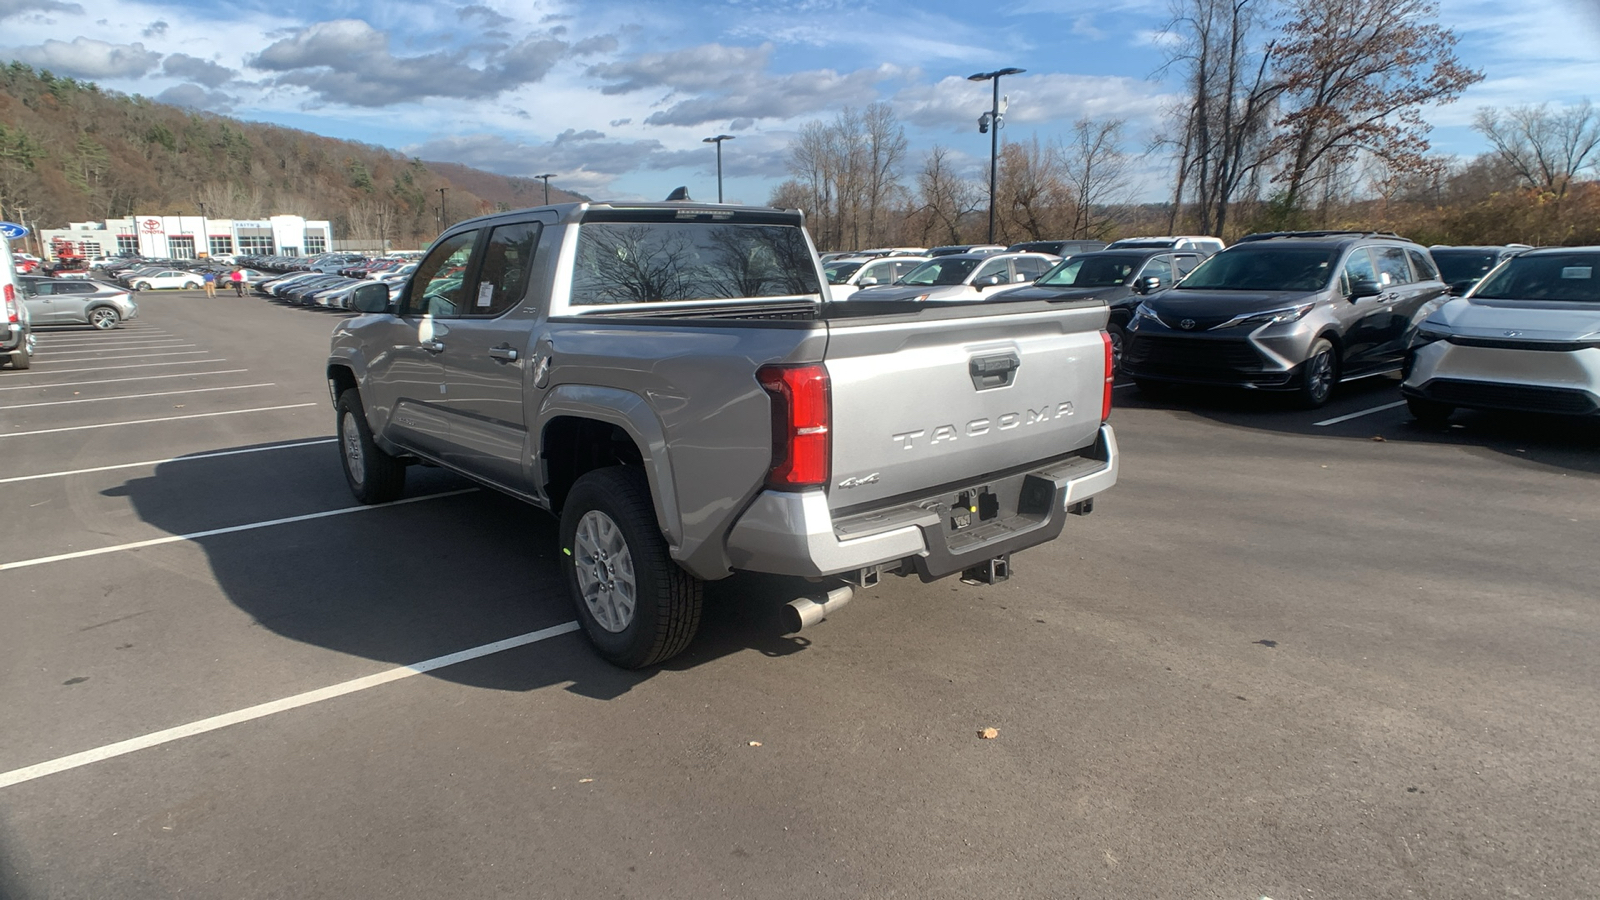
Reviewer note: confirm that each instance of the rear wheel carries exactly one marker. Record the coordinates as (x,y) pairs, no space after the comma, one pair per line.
(1320,375)
(637,606)
(20,358)
(373,475)
(104,318)
(1118,338)
(1429,412)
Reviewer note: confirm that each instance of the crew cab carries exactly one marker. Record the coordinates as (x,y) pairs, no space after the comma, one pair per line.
(672,381)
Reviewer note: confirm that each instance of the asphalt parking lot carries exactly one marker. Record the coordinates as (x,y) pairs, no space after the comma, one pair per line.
(1326,654)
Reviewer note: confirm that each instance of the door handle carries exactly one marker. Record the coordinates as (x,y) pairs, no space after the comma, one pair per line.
(503,353)
(433,346)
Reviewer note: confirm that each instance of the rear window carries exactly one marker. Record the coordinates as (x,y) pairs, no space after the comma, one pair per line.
(657,262)
(1254,268)
(1566,277)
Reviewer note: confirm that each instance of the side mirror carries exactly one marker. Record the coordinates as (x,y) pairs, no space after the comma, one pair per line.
(370,298)
(868,281)
(1364,287)
(1147,285)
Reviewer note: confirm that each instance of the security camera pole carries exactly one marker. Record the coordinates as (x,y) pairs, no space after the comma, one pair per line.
(993,117)
(718,141)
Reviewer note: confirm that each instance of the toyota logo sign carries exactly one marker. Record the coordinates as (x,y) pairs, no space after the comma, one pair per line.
(1186,324)
(150,226)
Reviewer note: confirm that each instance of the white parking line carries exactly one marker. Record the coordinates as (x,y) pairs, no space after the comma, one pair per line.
(103,337)
(81,346)
(34,387)
(227,412)
(196,535)
(227,387)
(156,738)
(83,359)
(162,462)
(182,362)
(1357,415)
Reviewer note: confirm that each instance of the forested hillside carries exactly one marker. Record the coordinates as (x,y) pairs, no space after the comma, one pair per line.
(70,151)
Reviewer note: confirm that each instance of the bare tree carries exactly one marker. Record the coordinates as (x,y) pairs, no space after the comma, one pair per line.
(1032,197)
(1356,75)
(947,200)
(1094,168)
(1221,126)
(1547,150)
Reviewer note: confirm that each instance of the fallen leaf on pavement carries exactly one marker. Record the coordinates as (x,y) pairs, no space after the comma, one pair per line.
(755,743)
(988,734)
(1380,438)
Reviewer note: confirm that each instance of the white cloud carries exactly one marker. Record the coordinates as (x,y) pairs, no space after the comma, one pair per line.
(9,8)
(88,58)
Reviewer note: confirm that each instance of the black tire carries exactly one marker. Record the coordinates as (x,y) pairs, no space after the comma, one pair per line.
(141,285)
(1429,412)
(1319,374)
(610,540)
(373,475)
(1152,388)
(1119,340)
(104,318)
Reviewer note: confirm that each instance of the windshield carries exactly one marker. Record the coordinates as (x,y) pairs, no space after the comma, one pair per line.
(1464,266)
(941,271)
(1091,271)
(1568,277)
(840,272)
(1263,269)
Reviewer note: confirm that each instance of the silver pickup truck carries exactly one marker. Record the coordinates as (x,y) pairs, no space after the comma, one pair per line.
(672,380)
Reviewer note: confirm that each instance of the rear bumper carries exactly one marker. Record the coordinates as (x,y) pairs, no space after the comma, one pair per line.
(796,534)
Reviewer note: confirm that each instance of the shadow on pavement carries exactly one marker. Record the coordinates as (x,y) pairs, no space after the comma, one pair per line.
(1559,442)
(407,583)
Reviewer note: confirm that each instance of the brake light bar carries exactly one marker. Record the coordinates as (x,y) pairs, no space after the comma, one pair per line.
(1111,376)
(802,412)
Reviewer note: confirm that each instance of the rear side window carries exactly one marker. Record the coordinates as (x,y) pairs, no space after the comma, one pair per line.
(1392,265)
(659,262)
(507,259)
(1031,268)
(1423,265)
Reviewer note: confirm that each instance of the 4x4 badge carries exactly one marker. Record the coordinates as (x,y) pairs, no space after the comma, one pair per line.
(1186,324)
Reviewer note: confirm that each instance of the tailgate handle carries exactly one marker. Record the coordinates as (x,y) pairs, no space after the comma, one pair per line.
(994,371)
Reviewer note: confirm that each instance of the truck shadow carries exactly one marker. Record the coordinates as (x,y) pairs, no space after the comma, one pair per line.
(406,583)
(1545,441)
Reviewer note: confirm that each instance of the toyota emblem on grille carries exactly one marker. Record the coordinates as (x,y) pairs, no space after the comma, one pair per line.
(1186,324)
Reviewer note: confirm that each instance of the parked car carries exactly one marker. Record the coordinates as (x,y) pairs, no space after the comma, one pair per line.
(16,338)
(1121,278)
(1170,242)
(1527,338)
(852,273)
(962,276)
(953,249)
(1057,248)
(53,301)
(163,279)
(1463,267)
(1288,312)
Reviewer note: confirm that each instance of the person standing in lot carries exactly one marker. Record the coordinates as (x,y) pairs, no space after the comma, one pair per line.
(210,279)
(237,277)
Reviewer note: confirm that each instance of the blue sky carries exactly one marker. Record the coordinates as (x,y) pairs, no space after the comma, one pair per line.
(615,97)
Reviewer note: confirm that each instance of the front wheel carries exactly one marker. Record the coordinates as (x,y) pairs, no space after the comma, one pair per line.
(1320,375)
(1429,412)
(637,606)
(373,475)
(104,318)
(141,285)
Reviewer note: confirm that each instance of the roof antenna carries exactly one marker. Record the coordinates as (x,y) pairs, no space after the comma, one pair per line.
(680,195)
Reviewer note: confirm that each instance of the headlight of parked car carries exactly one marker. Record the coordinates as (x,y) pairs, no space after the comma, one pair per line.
(1428,333)
(1143,311)
(1271,316)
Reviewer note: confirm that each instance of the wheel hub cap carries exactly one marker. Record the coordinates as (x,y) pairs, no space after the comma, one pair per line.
(604,566)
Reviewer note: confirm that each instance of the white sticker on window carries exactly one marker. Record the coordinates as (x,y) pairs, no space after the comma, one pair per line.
(1578,272)
(485,295)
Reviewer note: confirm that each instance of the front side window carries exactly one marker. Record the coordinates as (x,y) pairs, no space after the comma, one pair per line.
(660,262)
(1561,277)
(1158,267)
(1252,267)
(877,273)
(941,271)
(439,286)
(1358,269)
(995,271)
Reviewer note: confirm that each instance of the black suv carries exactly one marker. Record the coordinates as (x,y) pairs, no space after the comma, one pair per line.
(1119,277)
(1057,248)
(1288,311)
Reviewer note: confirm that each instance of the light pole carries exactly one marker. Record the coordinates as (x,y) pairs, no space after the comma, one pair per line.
(992,118)
(547,176)
(442,222)
(718,141)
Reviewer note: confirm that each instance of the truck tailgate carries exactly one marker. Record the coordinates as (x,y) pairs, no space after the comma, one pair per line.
(934,402)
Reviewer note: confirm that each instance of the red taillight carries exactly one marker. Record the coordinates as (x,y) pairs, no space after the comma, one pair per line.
(11,305)
(1111,375)
(801,410)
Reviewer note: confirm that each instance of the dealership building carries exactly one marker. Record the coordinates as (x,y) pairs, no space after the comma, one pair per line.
(192,237)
